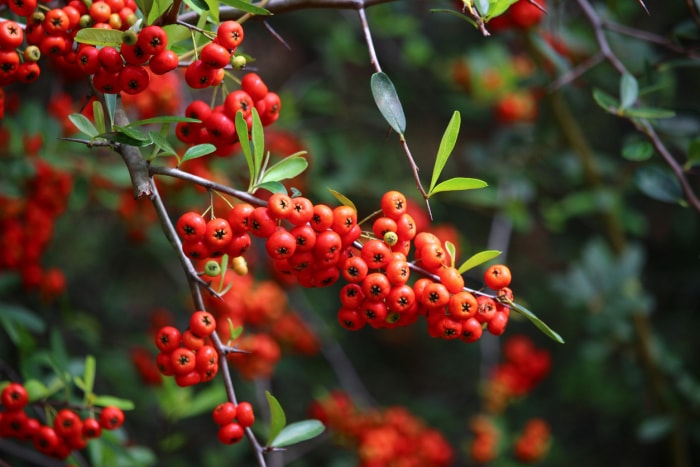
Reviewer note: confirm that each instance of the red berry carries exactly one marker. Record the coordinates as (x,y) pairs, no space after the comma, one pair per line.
(111,418)
(245,414)
(202,323)
(14,397)
(231,433)
(224,413)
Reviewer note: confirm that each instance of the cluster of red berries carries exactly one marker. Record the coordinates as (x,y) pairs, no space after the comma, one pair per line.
(321,246)
(529,446)
(187,356)
(218,124)
(389,436)
(232,420)
(51,33)
(524,366)
(68,431)
(208,69)
(126,69)
(26,227)
(534,442)
(271,327)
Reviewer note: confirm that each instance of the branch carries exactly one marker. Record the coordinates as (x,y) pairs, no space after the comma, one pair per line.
(135,163)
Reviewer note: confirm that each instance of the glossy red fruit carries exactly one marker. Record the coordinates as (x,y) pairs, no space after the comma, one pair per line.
(14,397)
(111,418)
(224,413)
(254,86)
(202,323)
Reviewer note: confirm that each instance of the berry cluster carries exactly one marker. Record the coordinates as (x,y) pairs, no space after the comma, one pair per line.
(533,443)
(317,245)
(218,123)
(520,15)
(262,308)
(26,227)
(383,437)
(524,367)
(484,445)
(232,420)
(187,356)
(68,431)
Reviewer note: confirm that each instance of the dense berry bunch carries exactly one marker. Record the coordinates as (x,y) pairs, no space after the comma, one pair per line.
(217,124)
(524,367)
(534,442)
(187,356)
(67,431)
(232,420)
(26,227)
(387,437)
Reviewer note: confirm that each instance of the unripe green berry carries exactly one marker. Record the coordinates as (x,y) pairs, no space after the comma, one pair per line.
(212,268)
(130,37)
(85,21)
(391,238)
(32,53)
(238,62)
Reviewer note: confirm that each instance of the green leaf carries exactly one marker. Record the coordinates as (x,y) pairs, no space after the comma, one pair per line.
(629,91)
(111,104)
(483,6)
(213,6)
(35,389)
(162,143)
(242,131)
(297,432)
(104,401)
(163,119)
(458,184)
(606,101)
(344,200)
(89,376)
(278,419)
(99,37)
(247,7)
(477,259)
(236,332)
(157,9)
(177,32)
(546,330)
(454,13)
(287,168)
(447,144)
(258,138)
(122,138)
(83,124)
(133,133)
(199,150)
(648,112)
(388,102)
(498,7)
(452,251)
(272,187)
(693,154)
(637,150)
(99,114)
(659,184)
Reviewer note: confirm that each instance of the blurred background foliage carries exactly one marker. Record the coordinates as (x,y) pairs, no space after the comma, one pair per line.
(599,244)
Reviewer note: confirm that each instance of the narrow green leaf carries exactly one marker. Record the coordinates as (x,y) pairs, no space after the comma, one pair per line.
(278,419)
(606,101)
(637,150)
(297,432)
(272,187)
(133,133)
(121,137)
(99,114)
(79,383)
(213,9)
(659,184)
(458,184)
(648,112)
(454,13)
(89,375)
(452,251)
(99,37)
(344,200)
(104,401)
(629,90)
(447,144)
(258,138)
(693,154)
(163,119)
(498,7)
(157,9)
(177,33)
(35,389)
(242,131)
(111,103)
(483,6)
(161,142)
(247,7)
(287,168)
(236,332)
(83,124)
(477,259)
(199,150)
(388,102)
(546,330)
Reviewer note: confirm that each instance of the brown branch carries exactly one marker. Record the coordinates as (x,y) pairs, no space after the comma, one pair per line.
(135,163)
